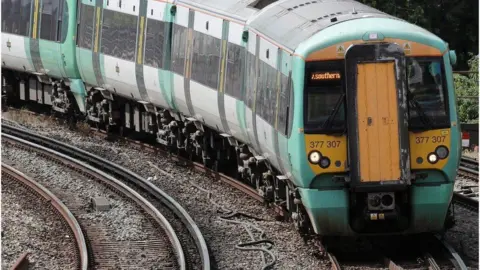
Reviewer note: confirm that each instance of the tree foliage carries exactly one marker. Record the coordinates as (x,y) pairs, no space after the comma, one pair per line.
(466,87)
(455,21)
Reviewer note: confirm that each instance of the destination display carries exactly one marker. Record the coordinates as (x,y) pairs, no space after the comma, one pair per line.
(325,76)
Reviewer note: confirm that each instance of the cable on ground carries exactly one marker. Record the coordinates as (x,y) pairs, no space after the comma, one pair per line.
(228,215)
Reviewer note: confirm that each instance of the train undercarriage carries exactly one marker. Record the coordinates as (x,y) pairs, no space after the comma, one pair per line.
(183,136)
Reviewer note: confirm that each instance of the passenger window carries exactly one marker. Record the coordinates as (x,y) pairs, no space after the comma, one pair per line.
(206,59)
(119,35)
(154,43)
(179,40)
(234,77)
(86,27)
(50,13)
(16,16)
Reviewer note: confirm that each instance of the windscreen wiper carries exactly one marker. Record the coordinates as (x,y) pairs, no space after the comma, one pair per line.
(421,113)
(330,118)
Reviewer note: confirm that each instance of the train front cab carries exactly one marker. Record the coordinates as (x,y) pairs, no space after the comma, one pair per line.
(380,140)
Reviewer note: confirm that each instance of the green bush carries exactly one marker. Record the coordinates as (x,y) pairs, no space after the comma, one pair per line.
(466,88)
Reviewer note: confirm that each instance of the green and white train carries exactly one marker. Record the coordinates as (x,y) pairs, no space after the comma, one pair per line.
(342,115)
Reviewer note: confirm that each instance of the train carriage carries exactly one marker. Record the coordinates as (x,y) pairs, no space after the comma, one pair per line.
(342,115)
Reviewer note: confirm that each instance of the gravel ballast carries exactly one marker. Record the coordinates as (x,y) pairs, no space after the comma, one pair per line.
(221,236)
(30,225)
(464,182)
(464,236)
(117,236)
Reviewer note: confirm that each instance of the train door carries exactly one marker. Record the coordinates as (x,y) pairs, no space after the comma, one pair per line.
(377,113)
(377,122)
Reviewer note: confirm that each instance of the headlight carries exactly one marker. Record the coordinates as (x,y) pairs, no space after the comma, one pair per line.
(442,152)
(314,157)
(432,158)
(324,162)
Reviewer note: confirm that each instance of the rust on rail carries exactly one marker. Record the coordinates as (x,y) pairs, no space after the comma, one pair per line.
(22,262)
(60,208)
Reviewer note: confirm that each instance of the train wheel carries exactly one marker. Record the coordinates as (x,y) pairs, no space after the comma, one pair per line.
(300,220)
(72,123)
(215,165)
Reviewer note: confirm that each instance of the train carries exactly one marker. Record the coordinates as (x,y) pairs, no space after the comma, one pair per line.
(343,116)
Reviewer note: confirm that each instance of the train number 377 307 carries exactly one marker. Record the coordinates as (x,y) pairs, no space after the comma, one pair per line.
(433,139)
(327,144)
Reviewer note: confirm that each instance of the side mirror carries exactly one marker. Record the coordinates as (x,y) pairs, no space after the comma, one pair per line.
(173,10)
(245,36)
(453,57)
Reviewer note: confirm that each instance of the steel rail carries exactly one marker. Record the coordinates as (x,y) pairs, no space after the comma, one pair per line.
(469,161)
(248,190)
(186,162)
(465,201)
(431,261)
(335,265)
(115,169)
(21,263)
(118,185)
(455,258)
(468,170)
(60,208)
(465,168)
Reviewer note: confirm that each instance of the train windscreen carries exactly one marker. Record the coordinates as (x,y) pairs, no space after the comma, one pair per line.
(324,97)
(427,95)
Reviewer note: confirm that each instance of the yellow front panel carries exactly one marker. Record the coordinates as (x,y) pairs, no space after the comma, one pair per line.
(378,122)
(424,143)
(333,147)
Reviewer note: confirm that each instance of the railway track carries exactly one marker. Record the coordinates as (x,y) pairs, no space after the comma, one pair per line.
(465,201)
(9,173)
(197,166)
(185,237)
(467,197)
(469,168)
(385,261)
(424,252)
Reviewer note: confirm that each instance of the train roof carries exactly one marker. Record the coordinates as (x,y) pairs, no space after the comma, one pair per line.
(290,22)
(238,9)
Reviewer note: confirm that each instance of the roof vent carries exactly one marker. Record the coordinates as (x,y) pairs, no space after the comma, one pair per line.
(354,11)
(302,5)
